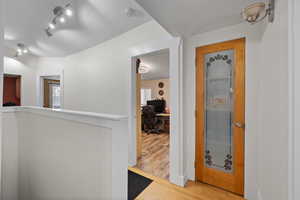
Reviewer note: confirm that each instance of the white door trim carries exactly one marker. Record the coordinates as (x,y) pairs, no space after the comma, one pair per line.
(176,140)
(294,97)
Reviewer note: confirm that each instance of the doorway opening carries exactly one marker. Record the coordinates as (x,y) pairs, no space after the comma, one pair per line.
(51,92)
(153,113)
(11,90)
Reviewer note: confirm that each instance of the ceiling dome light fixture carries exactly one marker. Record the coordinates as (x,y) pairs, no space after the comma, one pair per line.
(21,50)
(60,14)
(144,69)
(257,12)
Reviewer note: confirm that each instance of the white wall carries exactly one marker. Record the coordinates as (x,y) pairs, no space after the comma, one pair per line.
(52,154)
(10,167)
(1,54)
(63,160)
(1,83)
(153,85)
(26,67)
(87,73)
(273,108)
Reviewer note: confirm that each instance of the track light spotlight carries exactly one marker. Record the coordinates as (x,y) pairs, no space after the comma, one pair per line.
(21,49)
(62,20)
(69,12)
(60,14)
(51,26)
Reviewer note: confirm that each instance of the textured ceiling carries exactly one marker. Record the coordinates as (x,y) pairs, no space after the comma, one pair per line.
(190,17)
(158,63)
(94,21)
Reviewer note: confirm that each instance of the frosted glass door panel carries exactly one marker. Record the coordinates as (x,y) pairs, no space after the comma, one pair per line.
(218,110)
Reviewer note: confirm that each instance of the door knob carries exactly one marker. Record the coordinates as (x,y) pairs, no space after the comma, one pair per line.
(239,125)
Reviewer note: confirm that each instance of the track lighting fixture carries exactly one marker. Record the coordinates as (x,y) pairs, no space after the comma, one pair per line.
(60,17)
(21,50)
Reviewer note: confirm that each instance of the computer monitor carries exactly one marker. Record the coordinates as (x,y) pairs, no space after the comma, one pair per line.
(158,104)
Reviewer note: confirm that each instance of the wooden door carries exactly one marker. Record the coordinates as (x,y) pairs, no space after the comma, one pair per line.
(220,115)
(138,111)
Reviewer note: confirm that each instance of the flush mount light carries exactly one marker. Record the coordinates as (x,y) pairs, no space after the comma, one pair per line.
(257,12)
(21,49)
(60,14)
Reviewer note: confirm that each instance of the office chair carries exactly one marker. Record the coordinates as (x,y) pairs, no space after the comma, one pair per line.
(150,123)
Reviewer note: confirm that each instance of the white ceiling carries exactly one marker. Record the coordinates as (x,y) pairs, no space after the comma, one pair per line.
(95,21)
(190,17)
(158,62)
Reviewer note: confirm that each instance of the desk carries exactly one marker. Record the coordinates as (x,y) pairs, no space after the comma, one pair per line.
(163,115)
(165,118)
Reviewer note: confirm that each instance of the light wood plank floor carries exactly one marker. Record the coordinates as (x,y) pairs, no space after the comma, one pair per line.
(155,154)
(161,189)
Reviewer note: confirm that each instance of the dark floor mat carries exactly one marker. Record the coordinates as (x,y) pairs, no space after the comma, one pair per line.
(136,184)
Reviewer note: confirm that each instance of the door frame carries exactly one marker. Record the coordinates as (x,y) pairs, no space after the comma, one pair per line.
(176,124)
(199,115)
(46,103)
(294,96)
(21,84)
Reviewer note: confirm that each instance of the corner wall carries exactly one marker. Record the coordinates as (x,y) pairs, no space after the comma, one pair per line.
(273,108)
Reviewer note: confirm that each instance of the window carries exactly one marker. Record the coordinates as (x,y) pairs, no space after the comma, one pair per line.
(55,95)
(145,96)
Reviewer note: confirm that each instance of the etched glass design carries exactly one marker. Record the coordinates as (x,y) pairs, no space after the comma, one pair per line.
(218,110)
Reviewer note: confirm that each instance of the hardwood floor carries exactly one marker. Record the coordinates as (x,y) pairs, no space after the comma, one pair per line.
(161,189)
(155,154)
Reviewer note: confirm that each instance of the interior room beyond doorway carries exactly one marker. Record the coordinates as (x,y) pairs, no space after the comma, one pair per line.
(153,102)
(51,92)
(11,90)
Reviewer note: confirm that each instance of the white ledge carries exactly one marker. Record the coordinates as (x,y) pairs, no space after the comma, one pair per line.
(73,112)
(8,109)
(98,119)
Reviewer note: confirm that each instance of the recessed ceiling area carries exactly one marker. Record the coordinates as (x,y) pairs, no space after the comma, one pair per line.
(94,22)
(158,64)
(190,17)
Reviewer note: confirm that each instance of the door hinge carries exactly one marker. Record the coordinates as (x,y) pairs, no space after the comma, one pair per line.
(195,164)
(196,113)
